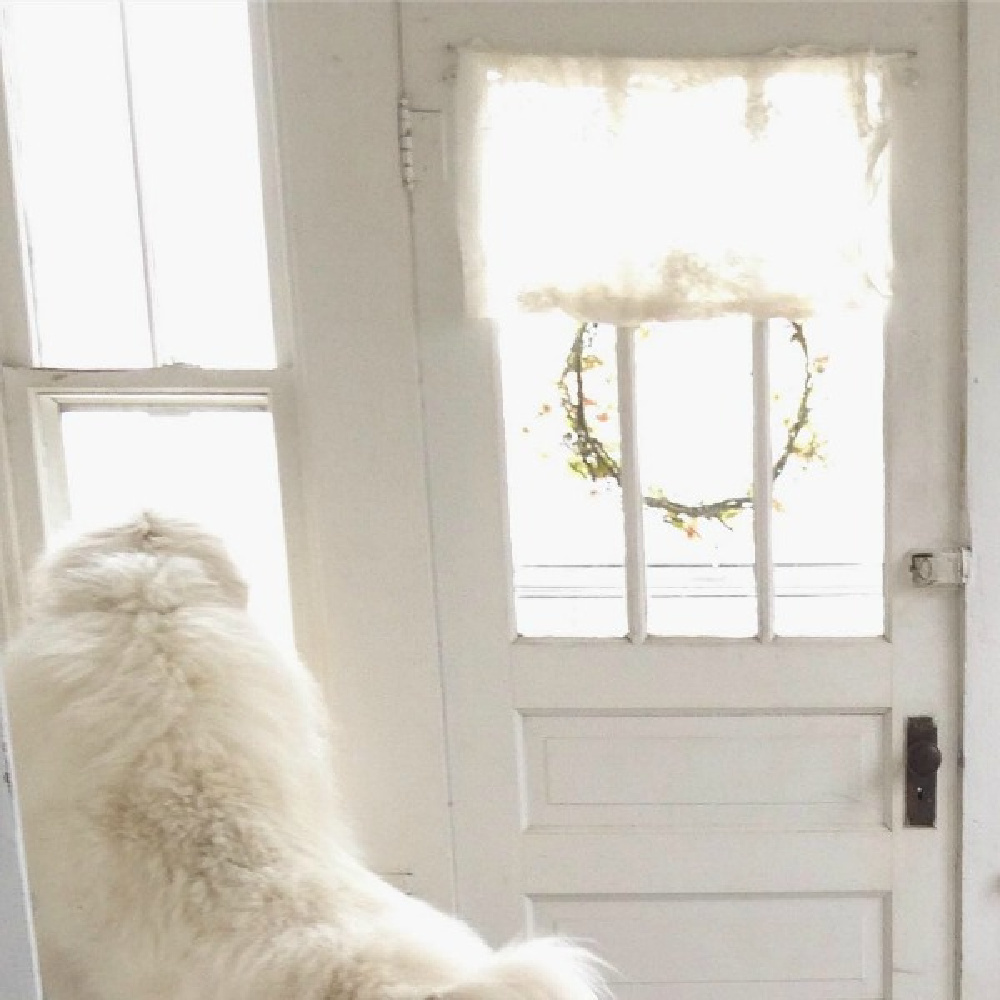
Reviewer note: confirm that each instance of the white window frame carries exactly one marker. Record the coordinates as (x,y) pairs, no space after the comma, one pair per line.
(32,472)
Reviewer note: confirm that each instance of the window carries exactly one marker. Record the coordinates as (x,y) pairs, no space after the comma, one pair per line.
(693,443)
(687,266)
(147,370)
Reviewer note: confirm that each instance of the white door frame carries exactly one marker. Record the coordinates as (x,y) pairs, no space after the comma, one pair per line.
(19,978)
(981,784)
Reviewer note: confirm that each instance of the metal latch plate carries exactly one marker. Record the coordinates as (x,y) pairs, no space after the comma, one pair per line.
(923,758)
(944,568)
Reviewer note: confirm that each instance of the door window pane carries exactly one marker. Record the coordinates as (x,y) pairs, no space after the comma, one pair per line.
(565,507)
(828,526)
(694,410)
(217,467)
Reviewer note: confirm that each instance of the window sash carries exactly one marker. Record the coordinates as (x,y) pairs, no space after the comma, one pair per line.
(17,345)
(31,476)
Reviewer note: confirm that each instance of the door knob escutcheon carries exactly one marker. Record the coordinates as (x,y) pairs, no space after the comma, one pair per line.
(923,759)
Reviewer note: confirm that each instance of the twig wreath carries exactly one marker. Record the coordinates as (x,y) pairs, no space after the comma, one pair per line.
(591,458)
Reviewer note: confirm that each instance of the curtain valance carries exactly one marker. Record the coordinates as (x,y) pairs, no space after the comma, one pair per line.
(624,190)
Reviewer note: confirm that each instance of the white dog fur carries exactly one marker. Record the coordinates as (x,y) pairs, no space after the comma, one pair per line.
(182,827)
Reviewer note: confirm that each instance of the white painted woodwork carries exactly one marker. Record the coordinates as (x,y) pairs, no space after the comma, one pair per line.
(19,978)
(717,676)
(635,570)
(748,947)
(335,85)
(981,707)
(600,786)
(683,771)
(705,862)
(763,481)
(18,961)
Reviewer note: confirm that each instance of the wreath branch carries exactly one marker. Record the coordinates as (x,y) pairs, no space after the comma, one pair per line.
(597,463)
(592,460)
(801,421)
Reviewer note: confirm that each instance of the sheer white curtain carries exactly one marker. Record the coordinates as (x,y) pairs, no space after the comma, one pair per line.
(623,191)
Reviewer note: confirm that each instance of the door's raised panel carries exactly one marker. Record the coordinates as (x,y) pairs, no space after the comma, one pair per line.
(795,947)
(683,771)
(644,861)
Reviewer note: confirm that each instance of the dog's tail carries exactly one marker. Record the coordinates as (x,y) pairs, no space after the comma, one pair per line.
(539,969)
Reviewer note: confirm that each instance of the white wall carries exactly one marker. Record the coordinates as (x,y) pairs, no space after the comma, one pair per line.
(335,70)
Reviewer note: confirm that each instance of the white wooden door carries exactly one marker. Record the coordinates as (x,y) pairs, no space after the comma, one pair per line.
(723,817)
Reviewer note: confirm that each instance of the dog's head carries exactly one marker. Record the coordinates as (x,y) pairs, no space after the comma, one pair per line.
(152,562)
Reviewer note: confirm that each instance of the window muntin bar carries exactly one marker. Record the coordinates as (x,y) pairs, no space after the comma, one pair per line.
(631,487)
(763,466)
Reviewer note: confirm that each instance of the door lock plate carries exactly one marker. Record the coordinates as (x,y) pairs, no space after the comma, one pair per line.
(923,758)
(944,568)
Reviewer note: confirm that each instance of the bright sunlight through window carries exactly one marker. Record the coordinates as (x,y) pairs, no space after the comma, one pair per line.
(687,265)
(137,171)
(138,178)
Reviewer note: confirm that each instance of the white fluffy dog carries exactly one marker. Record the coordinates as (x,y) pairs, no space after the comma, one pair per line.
(182,827)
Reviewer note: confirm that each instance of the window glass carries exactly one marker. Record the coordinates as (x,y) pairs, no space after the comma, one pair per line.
(217,467)
(196,137)
(828,525)
(694,408)
(138,179)
(69,123)
(565,509)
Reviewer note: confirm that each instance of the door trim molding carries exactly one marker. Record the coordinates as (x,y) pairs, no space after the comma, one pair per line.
(980,874)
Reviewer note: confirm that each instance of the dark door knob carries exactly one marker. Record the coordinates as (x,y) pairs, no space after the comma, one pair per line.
(923,758)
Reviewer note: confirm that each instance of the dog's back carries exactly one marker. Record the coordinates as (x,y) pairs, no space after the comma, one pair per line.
(183,834)
(172,763)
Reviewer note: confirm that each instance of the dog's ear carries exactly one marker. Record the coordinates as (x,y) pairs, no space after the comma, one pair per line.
(98,567)
(165,536)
